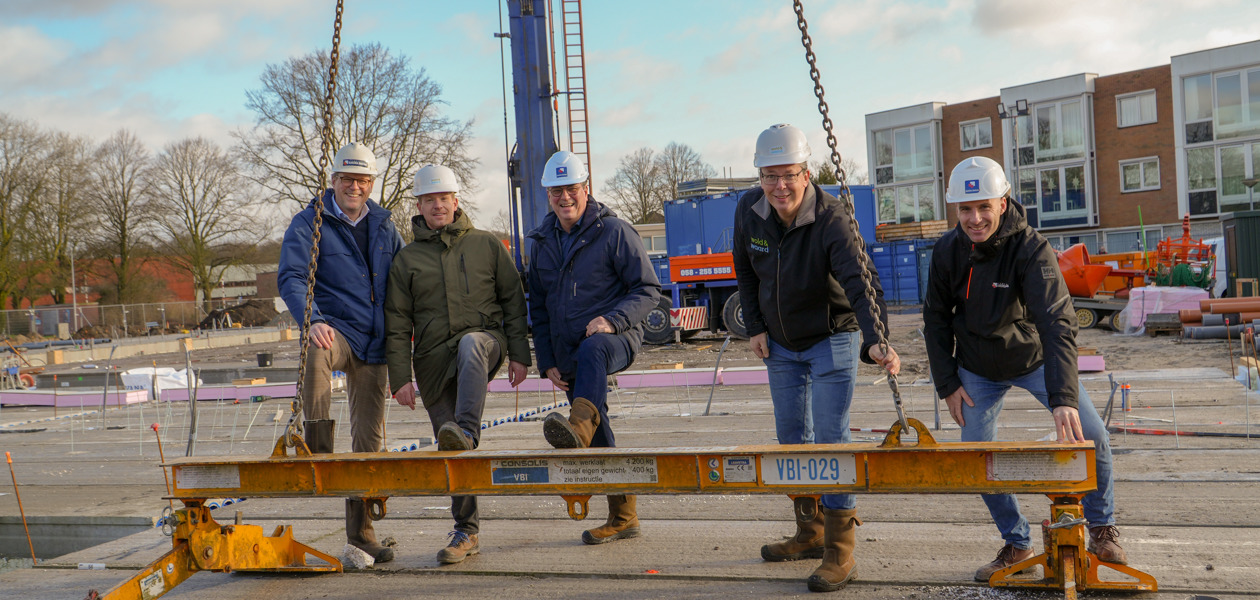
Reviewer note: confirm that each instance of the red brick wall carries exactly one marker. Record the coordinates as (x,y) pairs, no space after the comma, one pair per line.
(1115,144)
(951,137)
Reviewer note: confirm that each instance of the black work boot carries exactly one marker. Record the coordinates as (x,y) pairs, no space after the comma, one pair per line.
(319,435)
(453,437)
(361,534)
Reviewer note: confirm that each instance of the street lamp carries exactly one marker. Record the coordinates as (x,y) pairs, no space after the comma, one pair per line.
(1251,183)
(1020,109)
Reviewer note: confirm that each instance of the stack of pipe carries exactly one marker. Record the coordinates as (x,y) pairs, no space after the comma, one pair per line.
(1209,321)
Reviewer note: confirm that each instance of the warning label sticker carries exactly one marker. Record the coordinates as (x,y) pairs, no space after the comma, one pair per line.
(152,586)
(1035,466)
(594,471)
(208,477)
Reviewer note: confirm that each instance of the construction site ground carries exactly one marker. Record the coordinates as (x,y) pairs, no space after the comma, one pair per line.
(1188,505)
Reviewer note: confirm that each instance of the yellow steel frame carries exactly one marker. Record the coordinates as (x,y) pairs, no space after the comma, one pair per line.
(1063,471)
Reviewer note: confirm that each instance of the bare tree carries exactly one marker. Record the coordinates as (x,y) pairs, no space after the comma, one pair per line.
(825,174)
(381,101)
(118,193)
(56,218)
(200,210)
(678,163)
(22,179)
(635,189)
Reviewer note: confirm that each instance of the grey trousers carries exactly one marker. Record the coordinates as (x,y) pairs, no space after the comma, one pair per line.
(462,403)
(367,386)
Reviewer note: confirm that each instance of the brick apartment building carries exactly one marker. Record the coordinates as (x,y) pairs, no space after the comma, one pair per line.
(1089,152)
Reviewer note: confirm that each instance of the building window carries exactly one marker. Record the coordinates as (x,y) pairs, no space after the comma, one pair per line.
(1060,131)
(1139,175)
(976,134)
(1222,105)
(907,203)
(1061,195)
(1201,180)
(883,157)
(912,153)
(1135,109)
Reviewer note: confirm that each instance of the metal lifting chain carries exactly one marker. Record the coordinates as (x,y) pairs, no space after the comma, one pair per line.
(293,431)
(846,200)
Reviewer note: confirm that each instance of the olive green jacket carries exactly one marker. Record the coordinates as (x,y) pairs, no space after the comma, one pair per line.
(443,285)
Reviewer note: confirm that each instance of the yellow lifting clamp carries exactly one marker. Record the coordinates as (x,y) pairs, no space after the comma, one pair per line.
(1066,564)
(202,544)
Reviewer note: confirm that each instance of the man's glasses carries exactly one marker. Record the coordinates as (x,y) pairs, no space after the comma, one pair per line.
(362,181)
(560,191)
(773,180)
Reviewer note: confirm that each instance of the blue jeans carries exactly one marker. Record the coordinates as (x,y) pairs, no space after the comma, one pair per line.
(1099,505)
(596,358)
(813,389)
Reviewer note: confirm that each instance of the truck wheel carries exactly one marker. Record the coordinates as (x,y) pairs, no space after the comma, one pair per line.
(1086,317)
(656,329)
(1114,321)
(733,317)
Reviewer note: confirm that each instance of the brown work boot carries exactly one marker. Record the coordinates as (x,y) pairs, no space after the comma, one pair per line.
(361,534)
(319,435)
(462,546)
(453,437)
(1102,542)
(838,566)
(577,430)
(808,541)
(623,522)
(1006,557)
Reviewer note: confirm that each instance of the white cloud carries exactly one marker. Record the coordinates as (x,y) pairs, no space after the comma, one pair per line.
(27,56)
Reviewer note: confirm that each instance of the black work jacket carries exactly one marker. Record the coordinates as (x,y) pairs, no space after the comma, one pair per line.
(803,283)
(1000,309)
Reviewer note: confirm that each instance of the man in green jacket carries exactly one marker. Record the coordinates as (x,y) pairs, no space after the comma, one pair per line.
(454,305)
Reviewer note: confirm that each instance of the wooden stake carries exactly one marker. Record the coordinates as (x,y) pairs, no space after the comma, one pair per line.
(18,495)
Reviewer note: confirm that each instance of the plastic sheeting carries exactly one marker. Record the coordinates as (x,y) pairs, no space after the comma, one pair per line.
(1157,299)
(164,377)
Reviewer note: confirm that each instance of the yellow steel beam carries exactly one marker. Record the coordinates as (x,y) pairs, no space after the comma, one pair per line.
(927,467)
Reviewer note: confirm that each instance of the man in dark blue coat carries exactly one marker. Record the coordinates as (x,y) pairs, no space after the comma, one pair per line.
(591,286)
(356,246)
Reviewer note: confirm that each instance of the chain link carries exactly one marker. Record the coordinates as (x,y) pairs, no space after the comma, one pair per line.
(293,431)
(846,200)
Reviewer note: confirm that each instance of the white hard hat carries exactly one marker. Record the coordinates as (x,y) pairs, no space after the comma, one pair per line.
(433,179)
(355,157)
(781,144)
(977,178)
(564,168)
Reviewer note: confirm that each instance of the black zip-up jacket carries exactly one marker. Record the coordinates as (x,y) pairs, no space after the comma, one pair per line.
(1000,309)
(803,283)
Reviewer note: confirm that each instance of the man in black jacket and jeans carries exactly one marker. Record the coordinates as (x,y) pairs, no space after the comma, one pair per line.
(998,315)
(798,264)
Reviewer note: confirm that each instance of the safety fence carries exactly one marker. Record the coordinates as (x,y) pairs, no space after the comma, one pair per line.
(107,320)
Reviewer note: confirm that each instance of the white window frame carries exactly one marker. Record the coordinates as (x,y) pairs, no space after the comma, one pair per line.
(1140,162)
(1138,95)
(1057,133)
(975,122)
(1063,213)
(914,131)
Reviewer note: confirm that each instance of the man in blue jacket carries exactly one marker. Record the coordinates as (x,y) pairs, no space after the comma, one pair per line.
(591,286)
(356,245)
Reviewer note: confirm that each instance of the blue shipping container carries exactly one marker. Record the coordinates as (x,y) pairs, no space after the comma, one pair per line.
(660,263)
(925,262)
(717,217)
(683,231)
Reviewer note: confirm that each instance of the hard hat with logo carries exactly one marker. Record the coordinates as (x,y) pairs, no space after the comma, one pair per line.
(977,178)
(433,179)
(564,168)
(355,157)
(781,144)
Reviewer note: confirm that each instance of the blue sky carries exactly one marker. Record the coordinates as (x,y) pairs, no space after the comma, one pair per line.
(708,73)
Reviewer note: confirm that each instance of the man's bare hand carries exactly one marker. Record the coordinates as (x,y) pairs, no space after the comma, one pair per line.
(516,372)
(598,325)
(955,401)
(554,375)
(1067,422)
(890,362)
(322,334)
(760,345)
(406,395)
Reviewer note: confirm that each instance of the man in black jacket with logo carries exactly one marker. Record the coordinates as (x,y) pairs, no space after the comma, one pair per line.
(998,315)
(798,263)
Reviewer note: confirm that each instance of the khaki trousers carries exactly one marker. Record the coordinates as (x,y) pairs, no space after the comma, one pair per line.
(367,386)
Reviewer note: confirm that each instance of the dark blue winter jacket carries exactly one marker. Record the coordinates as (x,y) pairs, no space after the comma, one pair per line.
(349,289)
(606,272)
